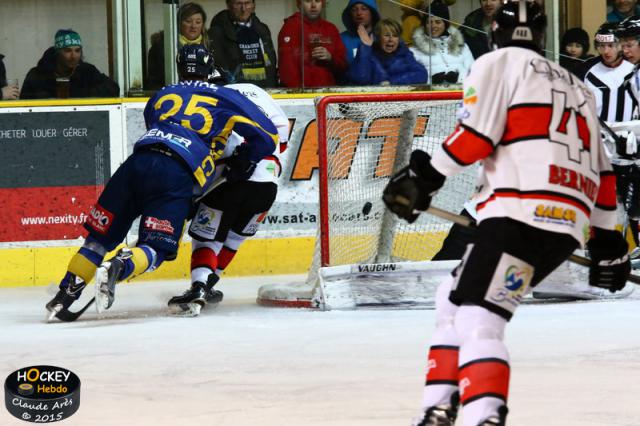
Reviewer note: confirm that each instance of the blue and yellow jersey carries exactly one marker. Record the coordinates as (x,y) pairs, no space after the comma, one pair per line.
(194,120)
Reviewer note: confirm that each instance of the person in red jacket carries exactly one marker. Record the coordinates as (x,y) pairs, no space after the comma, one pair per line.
(311,56)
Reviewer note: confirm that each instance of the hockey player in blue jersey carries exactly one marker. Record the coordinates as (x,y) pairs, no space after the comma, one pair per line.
(172,164)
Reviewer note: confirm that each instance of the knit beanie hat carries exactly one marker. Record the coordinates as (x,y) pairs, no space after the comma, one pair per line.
(67,38)
(576,35)
(438,9)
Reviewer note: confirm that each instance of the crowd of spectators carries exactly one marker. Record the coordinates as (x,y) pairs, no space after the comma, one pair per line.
(426,47)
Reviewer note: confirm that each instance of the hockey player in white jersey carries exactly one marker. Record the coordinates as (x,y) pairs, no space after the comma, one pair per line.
(606,75)
(546,183)
(232,212)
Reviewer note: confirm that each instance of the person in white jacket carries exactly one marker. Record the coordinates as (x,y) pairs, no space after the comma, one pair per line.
(440,47)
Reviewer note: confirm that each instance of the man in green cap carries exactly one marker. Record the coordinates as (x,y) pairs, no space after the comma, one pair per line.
(61,73)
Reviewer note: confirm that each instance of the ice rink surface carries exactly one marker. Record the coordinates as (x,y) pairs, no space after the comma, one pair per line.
(243,364)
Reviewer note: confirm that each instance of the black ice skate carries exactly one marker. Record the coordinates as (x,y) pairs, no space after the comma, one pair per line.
(499,420)
(213,296)
(107,276)
(191,302)
(440,415)
(58,307)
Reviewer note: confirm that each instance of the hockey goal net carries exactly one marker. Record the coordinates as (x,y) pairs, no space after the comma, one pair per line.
(362,141)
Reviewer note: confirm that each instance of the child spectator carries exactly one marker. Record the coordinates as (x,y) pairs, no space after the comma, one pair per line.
(319,58)
(358,14)
(574,47)
(440,48)
(387,60)
(191,24)
(477,25)
(61,73)
(242,45)
(8,92)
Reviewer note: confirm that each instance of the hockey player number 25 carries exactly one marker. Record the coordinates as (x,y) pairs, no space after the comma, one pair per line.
(569,126)
(194,107)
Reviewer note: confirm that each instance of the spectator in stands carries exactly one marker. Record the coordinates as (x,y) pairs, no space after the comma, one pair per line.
(8,92)
(61,73)
(359,17)
(574,47)
(477,25)
(386,60)
(242,45)
(319,60)
(440,48)
(191,23)
(410,19)
(623,9)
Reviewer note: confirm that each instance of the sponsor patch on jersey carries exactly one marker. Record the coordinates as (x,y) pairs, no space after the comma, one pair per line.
(555,214)
(470,96)
(510,283)
(154,224)
(254,224)
(100,219)
(206,222)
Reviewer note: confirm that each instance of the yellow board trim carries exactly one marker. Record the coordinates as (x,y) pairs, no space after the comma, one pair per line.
(258,256)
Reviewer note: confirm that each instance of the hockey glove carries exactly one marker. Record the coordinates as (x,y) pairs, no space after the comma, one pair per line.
(610,264)
(410,190)
(626,144)
(239,165)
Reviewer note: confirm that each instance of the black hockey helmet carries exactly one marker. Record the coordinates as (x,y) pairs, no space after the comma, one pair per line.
(519,23)
(194,61)
(607,33)
(629,27)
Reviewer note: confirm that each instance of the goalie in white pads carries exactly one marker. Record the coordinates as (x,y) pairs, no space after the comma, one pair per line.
(534,126)
(233,211)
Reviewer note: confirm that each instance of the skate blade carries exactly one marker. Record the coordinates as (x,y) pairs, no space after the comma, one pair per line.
(185,309)
(51,313)
(102,300)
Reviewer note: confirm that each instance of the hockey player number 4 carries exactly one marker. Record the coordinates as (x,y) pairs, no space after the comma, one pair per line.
(567,125)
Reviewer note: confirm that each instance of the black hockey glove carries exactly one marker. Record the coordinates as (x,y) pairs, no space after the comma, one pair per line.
(239,166)
(410,190)
(610,264)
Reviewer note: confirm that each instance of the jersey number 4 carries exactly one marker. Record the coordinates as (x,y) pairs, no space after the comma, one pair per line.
(570,128)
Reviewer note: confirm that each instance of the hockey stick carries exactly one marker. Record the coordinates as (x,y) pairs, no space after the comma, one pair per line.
(66,315)
(469,223)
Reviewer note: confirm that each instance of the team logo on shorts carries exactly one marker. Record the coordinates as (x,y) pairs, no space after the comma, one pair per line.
(510,283)
(158,225)
(205,216)
(100,219)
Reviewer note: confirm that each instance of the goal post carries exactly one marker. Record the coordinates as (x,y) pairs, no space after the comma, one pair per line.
(362,140)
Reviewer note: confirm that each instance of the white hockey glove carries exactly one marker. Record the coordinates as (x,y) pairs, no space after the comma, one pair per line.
(626,144)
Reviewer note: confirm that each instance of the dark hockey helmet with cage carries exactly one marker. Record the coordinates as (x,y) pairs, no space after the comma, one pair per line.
(519,23)
(629,27)
(196,61)
(607,33)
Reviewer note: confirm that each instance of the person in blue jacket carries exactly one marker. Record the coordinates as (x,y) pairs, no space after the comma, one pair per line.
(359,17)
(188,125)
(386,60)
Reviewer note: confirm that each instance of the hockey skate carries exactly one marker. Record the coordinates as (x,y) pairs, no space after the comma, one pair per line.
(499,420)
(106,278)
(191,302)
(70,291)
(439,415)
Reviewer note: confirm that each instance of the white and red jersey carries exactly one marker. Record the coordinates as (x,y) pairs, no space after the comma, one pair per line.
(614,98)
(269,169)
(534,127)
